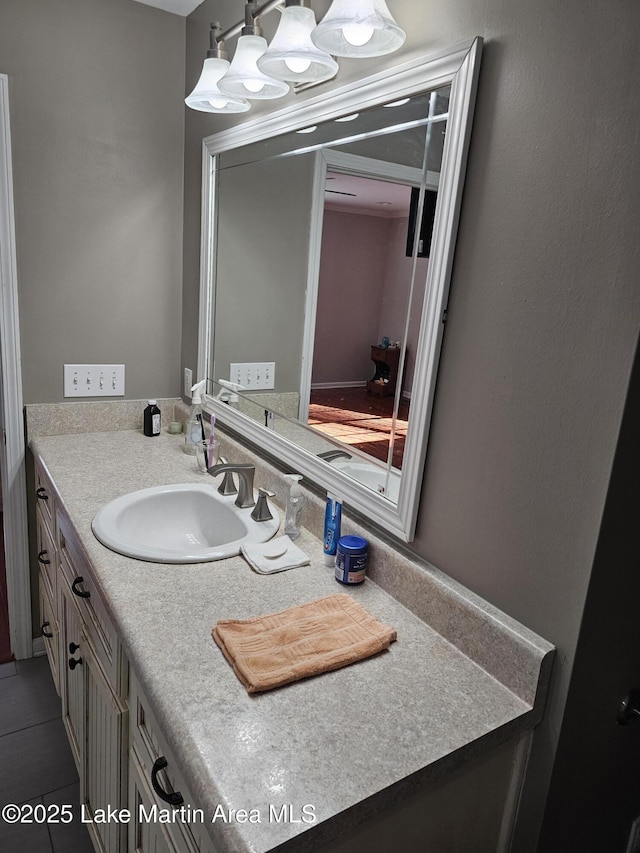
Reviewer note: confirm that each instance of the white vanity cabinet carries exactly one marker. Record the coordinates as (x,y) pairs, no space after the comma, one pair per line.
(93,675)
(88,667)
(164,817)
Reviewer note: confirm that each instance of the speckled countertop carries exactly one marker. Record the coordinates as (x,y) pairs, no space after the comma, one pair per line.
(373,732)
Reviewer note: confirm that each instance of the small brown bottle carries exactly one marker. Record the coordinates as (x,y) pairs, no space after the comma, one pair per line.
(152,419)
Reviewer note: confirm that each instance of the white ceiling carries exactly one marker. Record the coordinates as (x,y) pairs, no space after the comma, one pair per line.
(357,194)
(178,7)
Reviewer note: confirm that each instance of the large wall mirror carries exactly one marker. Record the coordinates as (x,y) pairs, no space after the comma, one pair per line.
(328,237)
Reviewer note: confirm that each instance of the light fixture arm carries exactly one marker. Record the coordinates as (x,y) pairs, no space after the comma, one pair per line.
(251,13)
(216,43)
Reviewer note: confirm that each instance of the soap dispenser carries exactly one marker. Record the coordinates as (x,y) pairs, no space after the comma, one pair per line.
(195,425)
(295,502)
(228,392)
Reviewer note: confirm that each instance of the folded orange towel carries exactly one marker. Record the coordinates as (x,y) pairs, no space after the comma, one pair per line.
(269,651)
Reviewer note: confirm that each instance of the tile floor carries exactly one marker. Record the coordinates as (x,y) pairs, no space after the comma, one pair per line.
(36,761)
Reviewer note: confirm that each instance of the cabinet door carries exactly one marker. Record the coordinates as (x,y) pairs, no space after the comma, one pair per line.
(50,631)
(105,751)
(71,674)
(145,836)
(188,832)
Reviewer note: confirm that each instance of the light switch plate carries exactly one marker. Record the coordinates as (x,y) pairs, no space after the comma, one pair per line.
(187,382)
(253,375)
(94,380)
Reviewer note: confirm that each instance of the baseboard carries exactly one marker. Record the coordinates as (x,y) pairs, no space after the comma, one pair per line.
(325,386)
(38,647)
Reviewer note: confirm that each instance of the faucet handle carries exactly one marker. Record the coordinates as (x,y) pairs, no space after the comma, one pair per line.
(227,486)
(261,511)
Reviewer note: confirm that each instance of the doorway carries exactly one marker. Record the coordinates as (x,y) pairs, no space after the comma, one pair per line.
(15,571)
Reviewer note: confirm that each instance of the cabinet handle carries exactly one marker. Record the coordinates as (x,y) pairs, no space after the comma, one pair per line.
(41,557)
(73,663)
(174,798)
(42,493)
(73,648)
(629,709)
(81,593)
(45,633)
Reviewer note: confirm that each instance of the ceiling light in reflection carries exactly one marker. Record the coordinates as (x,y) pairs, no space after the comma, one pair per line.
(399,103)
(308,129)
(349,117)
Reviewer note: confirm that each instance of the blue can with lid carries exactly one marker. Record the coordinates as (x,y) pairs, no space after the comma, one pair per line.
(352,554)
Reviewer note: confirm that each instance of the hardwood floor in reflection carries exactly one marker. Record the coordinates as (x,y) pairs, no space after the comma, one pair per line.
(358,419)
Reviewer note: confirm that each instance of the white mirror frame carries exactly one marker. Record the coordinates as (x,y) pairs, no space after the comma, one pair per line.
(459,67)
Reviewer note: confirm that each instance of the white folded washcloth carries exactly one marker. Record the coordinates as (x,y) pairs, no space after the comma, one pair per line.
(277,555)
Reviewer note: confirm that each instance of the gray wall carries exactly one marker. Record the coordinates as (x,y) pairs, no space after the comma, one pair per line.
(544,310)
(355,249)
(260,297)
(97,121)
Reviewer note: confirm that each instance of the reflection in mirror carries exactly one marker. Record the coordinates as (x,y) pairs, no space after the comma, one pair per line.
(344,352)
(328,238)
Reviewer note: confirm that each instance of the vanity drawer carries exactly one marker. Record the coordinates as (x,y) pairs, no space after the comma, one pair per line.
(76,575)
(47,562)
(45,498)
(149,751)
(145,836)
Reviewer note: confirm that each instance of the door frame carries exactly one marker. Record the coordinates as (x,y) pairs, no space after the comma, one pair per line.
(12,447)
(353,164)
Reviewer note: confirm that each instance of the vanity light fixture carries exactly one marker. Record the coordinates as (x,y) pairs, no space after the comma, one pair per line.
(292,55)
(358,28)
(244,79)
(301,52)
(206,96)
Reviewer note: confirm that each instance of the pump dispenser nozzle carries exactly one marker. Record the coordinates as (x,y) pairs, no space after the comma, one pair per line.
(196,392)
(194,433)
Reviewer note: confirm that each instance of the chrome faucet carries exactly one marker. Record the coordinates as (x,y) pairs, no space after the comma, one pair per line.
(245,481)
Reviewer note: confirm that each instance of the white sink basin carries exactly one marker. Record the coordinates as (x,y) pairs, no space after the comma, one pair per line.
(373,477)
(185,523)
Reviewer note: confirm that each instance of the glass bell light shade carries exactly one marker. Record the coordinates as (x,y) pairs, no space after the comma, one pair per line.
(207,97)
(292,55)
(358,28)
(244,79)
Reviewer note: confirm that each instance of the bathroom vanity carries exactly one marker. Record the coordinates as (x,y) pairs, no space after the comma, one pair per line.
(421,747)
